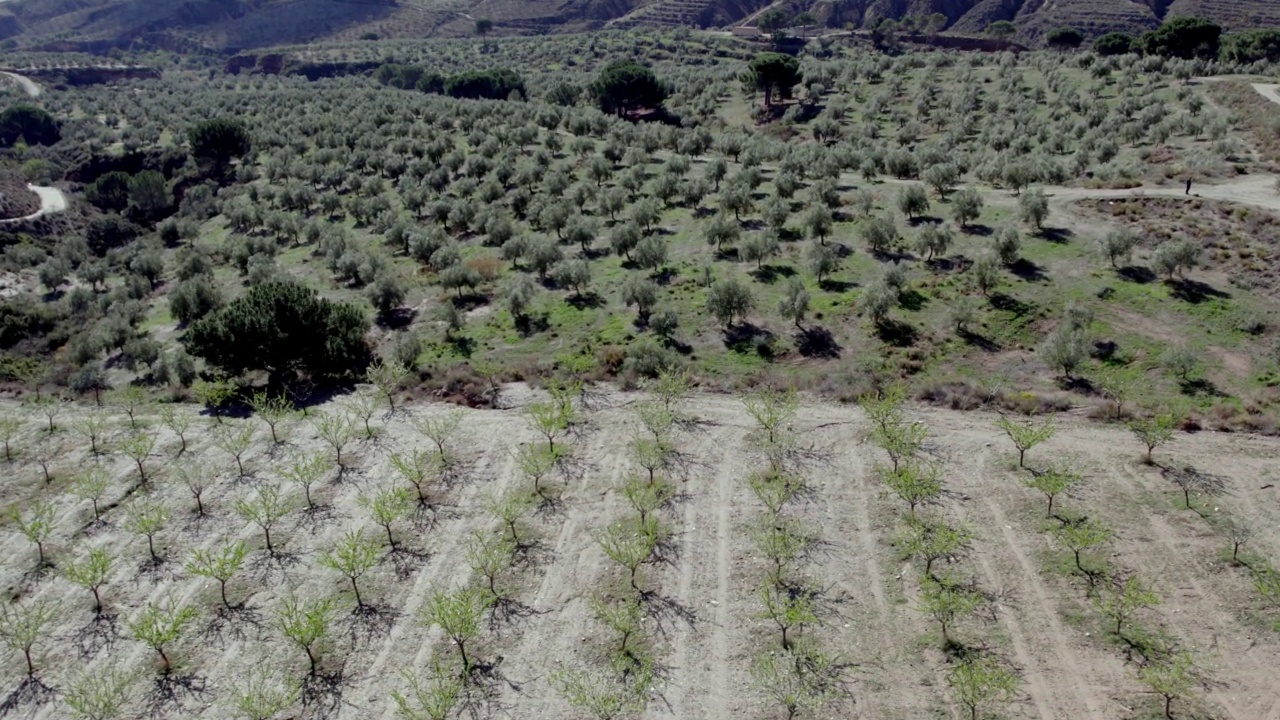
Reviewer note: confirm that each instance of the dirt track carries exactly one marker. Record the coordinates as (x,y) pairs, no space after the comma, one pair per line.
(707,632)
(52,200)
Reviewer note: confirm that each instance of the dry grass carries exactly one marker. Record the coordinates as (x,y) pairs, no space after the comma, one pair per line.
(1255,115)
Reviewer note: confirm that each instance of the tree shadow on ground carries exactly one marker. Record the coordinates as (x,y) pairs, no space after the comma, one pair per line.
(233,622)
(321,695)
(977,229)
(913,300)
(99,634)
(397,319)
(746,338)
(469,301)
(1027,270)
(769,274)
(1194,291)
(977,340)
(1008,303)
(1136,274)
(838,286)
(1057,235)
(817,342)
(370,621)
(896,333)
(171,692)
(1194,387)
(31,691)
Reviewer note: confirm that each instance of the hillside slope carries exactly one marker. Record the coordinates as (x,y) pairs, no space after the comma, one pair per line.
(233,24)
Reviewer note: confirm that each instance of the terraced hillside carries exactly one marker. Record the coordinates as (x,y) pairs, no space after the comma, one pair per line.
(100,24)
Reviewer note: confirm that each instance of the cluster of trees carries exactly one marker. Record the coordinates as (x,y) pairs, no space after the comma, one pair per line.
(1195,38)
(145,194)
(491,84)
(29,124)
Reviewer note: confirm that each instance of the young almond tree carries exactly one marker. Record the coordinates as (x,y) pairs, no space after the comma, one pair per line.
(100,695)
(901,440)
(916,483)
(784,543)
(160,626)
(24,626)
(274,410)
(10,428)
(947,601)
(625,617)
(510,509)
(1053,482)
(1119,600)
(934,539)
(147,517)
(630,544)
(788,608)
(388,377)
(441,430)
(264,508)
(305,471)
(537,462)
(605,696)
(352,556)
(219,563)
(979,681)
(36,524)
(1026,434)
(196,478)
(1080,536)
(178,420)
(1154,431)
(385,506)
(138,447)
(234,440)
(417,469)
(91,574)
(801,679)
(432,698)
(306,623)
(261,696)
(459,614)
(92,485)
(489,556)
(1171,678)
(130,399)
(551,420)
(94,427)
(337,429)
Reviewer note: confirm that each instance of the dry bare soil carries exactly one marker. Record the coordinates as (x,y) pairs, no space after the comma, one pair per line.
(705,606)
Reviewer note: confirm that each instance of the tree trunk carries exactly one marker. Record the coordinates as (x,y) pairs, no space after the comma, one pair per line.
(223,589)
(312,658)
(151,546)
(97,601)
(1050,507)
(164,658)
(266,531)
(31,668)
(391,541)
(356,589)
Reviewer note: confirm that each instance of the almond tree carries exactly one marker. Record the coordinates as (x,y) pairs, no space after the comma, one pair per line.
(36,524)
(388,377)
(551,420)
(196,478)
(489,556)
(130,399)
(800,679)
(352,556)
(934,539)
(510,509)
(160,626)
(947,601)
(235,440)
(10,427)
(1170,678)
(99,695)
(459,614)
(385,506)
(275,411)
(336,428)
(264,508)
(605,696)
(1080,536)
(51,407)
(900,439)
(306,471)
(788,608)
(1237,533)
(147,517)
(980,680)
(1026,434)
(94,426)
(440,430)
(306,623)
(646,497)
(91,574)
(916,483)
(625,618)
(26,625)
(630,544)
(219,563)
(1154,431)
(1052,482)
(262,697)
(417,469)
(364,406)
(431,699)
(1119,600)
(178,420)
(536,462)
(783,542)
(92,485)
(138,447)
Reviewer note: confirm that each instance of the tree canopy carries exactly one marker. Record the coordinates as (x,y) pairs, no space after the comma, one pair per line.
(28,123)
(774,74)
(492,84)
(1184,37)
(625,86)
(1252,46)
(283,328)
(1065,38)
(218,141)
(1116,43)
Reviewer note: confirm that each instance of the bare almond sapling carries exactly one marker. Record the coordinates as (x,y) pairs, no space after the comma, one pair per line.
(305,471)
(1053,482)
(441,431)
(1154,431)
(385,506)
(264,507)
(178,420)
(388,376)
(510,509)
(51,407)
(1192,481)
(431,698)
(489,556)
(94,427)
(1026,434)
(418,469)
(306,624)
(352,556)
(788,608)
(26,626)
(138,447)
(459,614)
(100,695)
(1237,532)
(196,478)
(147,517)
(90,574)
(220,563)
(92,485)
(35,524)
(364,406)
(160,626)
(130,400)
(234,439)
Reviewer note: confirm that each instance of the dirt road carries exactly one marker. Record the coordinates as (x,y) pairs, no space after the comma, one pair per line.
(1268,91)
(52,200)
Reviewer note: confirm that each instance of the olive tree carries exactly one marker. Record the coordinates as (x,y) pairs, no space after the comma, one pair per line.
(728,299)
(1033,208)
